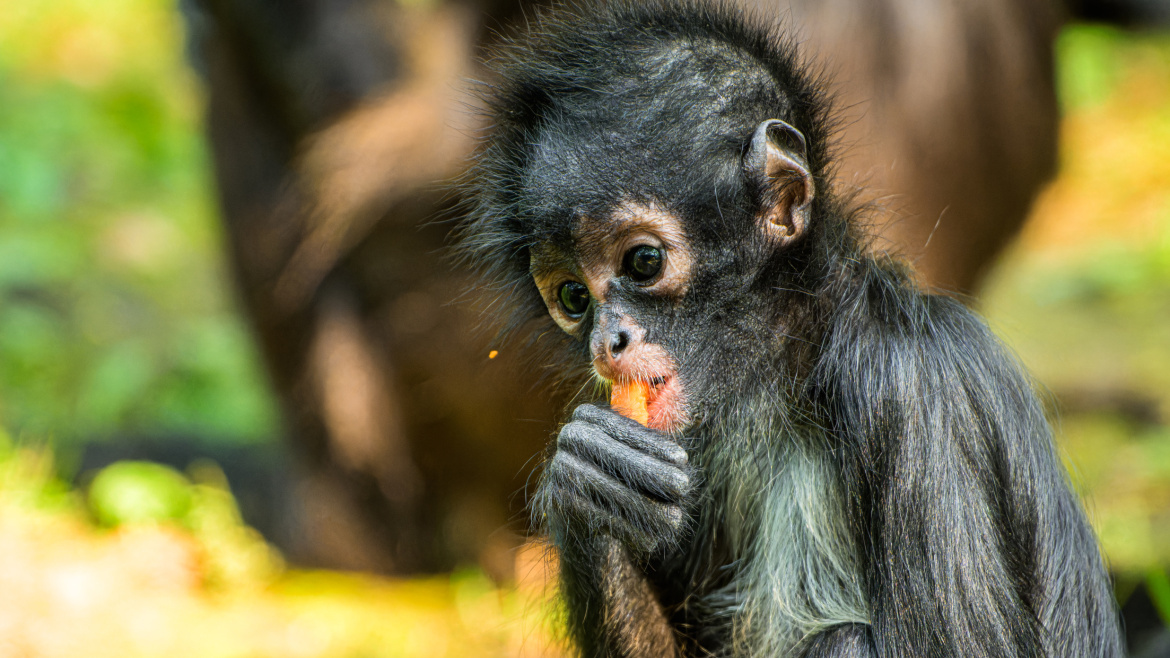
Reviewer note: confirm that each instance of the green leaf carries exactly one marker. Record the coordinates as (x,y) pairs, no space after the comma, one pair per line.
(139,492)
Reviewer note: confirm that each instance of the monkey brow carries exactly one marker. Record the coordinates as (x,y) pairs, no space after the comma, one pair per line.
(547,258)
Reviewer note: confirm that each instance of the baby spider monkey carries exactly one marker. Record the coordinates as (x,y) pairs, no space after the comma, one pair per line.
(835,462)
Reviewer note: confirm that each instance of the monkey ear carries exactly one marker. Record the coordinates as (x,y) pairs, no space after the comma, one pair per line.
(778,163)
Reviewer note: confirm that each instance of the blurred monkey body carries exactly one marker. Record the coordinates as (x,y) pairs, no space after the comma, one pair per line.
(835,462)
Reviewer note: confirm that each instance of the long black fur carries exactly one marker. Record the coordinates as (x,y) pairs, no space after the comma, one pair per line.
(871,471)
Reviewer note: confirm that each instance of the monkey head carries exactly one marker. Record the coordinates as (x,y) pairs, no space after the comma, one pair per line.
(666,231)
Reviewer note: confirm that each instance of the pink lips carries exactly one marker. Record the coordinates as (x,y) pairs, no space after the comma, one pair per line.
(664,403)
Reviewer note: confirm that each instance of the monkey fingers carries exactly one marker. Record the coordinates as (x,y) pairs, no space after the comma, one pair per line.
(582,500)
(630,432)
(638,536)
(657,470)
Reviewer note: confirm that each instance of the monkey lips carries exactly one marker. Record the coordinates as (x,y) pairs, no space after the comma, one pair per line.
(653,402)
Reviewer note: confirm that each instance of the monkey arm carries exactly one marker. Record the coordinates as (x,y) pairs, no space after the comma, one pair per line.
(973,541)
(613,610)
(613,491)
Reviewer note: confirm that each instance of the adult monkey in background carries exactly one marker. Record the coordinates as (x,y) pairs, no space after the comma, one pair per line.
(949,118)
(331,122)
(836,462)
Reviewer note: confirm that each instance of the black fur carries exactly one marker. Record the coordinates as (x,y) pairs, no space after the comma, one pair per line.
(868,471)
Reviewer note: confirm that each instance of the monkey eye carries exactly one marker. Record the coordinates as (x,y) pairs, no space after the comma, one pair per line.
(574,298)
(642,263)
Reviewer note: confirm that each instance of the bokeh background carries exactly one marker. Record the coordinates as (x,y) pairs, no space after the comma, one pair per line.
(121,342)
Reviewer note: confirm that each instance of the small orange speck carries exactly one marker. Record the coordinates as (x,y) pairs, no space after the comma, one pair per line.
(492,354)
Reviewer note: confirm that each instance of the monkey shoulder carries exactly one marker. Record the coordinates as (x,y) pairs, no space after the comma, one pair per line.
(897,355)
(885,325)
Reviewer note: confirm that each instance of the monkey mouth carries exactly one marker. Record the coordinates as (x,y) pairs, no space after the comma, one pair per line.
(655,386)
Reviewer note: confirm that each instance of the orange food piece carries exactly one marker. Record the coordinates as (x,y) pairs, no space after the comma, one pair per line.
(629,398)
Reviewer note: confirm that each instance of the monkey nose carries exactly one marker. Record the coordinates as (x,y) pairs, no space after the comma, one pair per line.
(618,343)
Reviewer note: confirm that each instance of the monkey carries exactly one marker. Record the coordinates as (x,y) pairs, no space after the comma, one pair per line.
(836,461)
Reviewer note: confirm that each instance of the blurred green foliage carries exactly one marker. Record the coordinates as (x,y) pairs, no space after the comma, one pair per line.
(28,481)
(132,493)
(115,312)
(138,492)
(173,571)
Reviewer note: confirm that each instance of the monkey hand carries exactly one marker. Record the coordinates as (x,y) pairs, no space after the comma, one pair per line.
(611,474)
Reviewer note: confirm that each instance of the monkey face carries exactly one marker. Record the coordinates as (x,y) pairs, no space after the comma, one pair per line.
(612,287)
(681,296)
(661,210)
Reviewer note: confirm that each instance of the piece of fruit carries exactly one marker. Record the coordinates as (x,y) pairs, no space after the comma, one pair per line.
(629,398)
